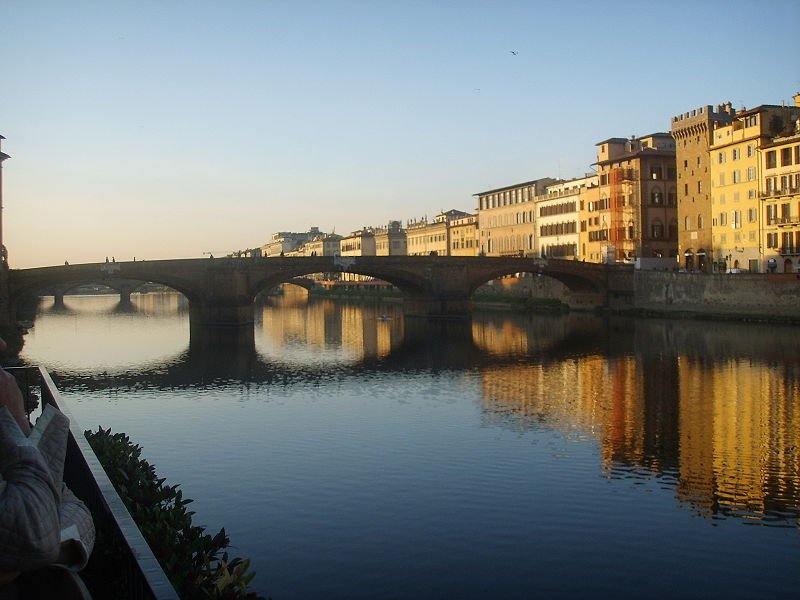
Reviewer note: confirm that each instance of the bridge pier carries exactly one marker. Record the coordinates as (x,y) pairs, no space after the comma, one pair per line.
(58,298)
(438,307)
(221,315)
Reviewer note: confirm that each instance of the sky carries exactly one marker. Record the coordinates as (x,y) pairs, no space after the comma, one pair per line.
(166,129)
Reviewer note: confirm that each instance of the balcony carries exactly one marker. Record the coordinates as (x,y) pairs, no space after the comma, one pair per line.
(776,193)
(789,250)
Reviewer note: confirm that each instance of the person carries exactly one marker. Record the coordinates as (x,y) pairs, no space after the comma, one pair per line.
(42,523)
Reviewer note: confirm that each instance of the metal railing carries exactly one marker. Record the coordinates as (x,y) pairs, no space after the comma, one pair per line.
(83,474)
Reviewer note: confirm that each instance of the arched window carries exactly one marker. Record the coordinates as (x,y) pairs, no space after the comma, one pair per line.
(686,223)
(699,221)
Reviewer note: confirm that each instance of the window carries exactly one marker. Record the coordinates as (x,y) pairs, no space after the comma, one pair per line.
(722,178)
(686,223)
(751,150)
(772,214)
(720,158)
(699,221)
(772,240)
(736,219)
(752,215)
(736,154)
(771,160)
(699,186)
(657,230)
(656,197)
(751,173)
(737,176)
(786,157)
(723,218)
(655,172)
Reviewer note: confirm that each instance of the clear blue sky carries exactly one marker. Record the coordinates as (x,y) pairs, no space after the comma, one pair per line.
(163,129)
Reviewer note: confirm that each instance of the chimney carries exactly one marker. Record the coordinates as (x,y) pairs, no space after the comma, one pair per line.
(797,99)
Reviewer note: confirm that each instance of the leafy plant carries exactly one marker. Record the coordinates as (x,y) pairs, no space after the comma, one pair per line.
(195,562)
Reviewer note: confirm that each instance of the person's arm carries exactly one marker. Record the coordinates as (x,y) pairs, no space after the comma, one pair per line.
(29,501)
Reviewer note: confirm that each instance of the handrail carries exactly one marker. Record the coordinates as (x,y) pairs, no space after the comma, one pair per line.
(86,478)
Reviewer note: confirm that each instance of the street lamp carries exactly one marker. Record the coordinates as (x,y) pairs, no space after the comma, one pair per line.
(3,252)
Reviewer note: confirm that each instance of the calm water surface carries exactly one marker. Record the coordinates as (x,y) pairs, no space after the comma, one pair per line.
(353,454)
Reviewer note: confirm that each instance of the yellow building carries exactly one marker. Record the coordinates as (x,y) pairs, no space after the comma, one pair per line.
(464,236)
(635,217)
(693,132)
(431,237)
(558,217)
(780,199)
(507,218)
(735,166)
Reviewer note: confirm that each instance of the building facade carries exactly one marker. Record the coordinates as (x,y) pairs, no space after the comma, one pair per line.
(507,218)
(693,132)
(780,199)
(558,217)
(390,240)
(426,237)
(635,218)
(284,242)
(736,174)
(464,236)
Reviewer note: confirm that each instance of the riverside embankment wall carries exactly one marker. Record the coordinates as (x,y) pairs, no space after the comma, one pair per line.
(756,295)
(736,296)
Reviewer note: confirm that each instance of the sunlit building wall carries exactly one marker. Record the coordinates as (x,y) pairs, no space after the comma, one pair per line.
(558,217)
(693,132)
(425,237)
(507,218)
(391,240)
(464,236)
(636,214)
(780,197)
(735,182)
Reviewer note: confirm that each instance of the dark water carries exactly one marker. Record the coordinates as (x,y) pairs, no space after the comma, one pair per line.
(351,455)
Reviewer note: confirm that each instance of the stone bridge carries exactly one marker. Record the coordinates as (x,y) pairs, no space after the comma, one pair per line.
(221,291)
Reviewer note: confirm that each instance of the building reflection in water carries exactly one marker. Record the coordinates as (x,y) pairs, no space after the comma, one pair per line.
(713,412)
(295,327)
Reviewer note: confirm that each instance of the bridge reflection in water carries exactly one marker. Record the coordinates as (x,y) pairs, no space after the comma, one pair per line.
(712,413)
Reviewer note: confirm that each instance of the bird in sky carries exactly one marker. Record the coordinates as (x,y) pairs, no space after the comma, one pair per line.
(514,52)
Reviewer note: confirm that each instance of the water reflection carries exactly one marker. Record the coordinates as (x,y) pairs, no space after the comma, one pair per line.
(711,411)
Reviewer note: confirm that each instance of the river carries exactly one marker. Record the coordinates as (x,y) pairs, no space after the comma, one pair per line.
(352,453)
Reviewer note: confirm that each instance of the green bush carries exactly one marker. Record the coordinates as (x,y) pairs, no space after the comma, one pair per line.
(194,561)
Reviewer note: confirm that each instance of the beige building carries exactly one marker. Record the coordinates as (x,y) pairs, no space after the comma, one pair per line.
(735,165)
(431,237)
(358,243)
(284,242)
(507,218)
(693,132)
(390,240)
(323,245)
(635,218)
(780,199)
(558,217)
(464,236)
